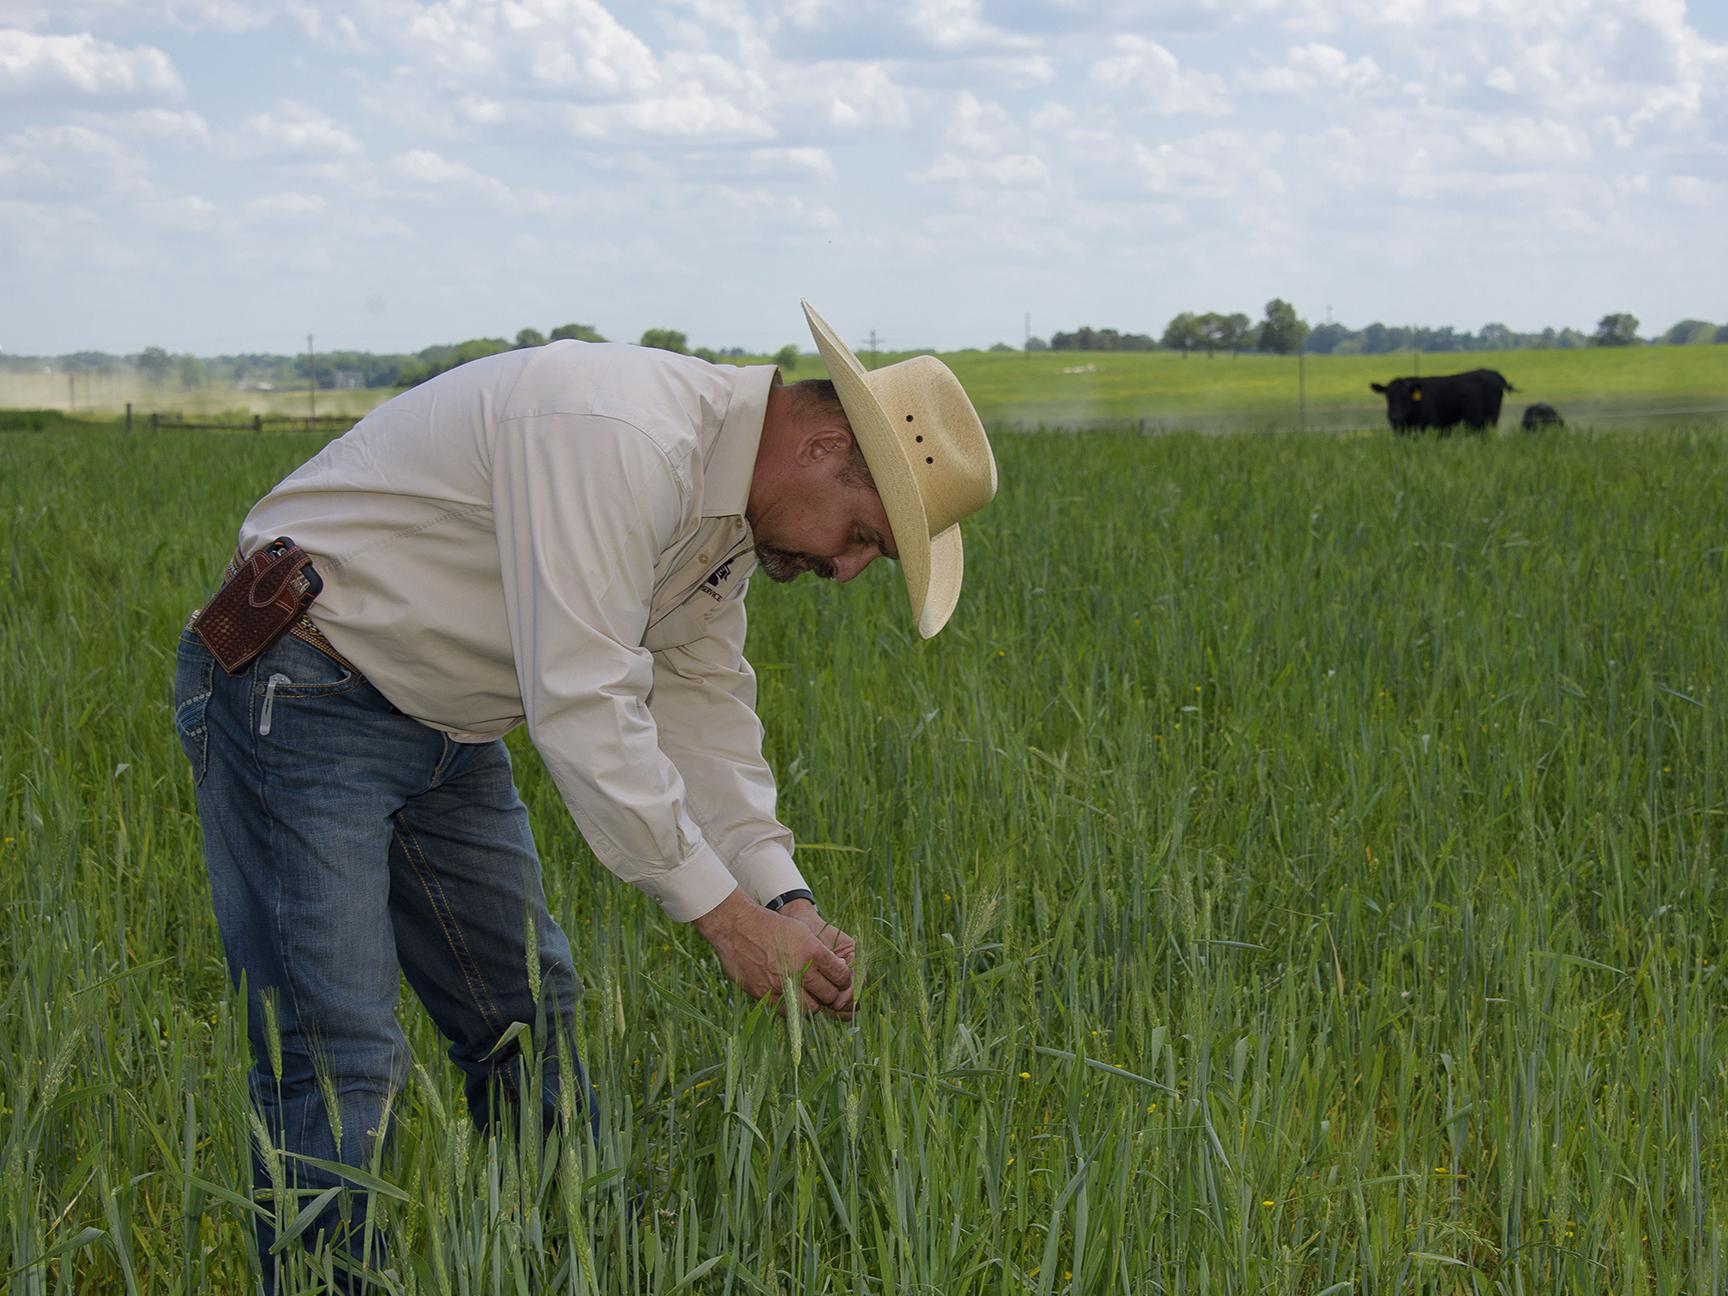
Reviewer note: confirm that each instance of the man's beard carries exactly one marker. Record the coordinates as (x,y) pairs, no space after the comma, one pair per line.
(787,564)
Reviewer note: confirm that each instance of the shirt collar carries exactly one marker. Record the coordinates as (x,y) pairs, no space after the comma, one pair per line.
(729,466)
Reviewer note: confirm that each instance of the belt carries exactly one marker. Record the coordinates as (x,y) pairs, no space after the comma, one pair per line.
(304,628)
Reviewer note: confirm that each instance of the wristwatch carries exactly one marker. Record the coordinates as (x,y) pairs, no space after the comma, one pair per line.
(785,898)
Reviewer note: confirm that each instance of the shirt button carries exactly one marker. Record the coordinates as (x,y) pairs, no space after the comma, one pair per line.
(702,557)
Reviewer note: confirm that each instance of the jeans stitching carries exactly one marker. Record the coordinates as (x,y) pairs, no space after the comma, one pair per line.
(290,982)
(480,993)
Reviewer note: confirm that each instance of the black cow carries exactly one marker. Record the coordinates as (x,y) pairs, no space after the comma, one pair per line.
(1445,401)
(1537,417)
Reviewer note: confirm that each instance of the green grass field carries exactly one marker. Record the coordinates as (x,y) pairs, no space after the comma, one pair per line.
(1298,869)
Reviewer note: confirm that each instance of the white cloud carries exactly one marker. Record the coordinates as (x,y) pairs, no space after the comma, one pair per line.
(1152,79)
(174,126)
(338,31)
(426,167)
(891,29)
(1528,142)
(1627,69)
(1704,194)
(292,130)
(576,46)
(1219,166)
(957,25)
(35,65)
(1011,171)
(1317,68)
(183,212)
(429,169)
(689,112)
(481,110)
(184,15)
(797,163)
(70,159)
(975,125)
(849,97)
(290,207)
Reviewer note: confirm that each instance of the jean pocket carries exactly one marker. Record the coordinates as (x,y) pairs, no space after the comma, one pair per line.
(301,671)
(194,681)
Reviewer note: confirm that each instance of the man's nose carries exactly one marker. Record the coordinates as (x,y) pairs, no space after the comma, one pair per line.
(849,565)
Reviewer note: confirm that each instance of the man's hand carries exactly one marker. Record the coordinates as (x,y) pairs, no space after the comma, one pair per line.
(825,931)
(760,950)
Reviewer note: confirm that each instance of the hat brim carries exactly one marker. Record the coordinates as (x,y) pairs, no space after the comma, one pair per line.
(933,566)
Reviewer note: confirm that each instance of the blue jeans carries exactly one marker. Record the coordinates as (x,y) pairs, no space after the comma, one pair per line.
(346,842)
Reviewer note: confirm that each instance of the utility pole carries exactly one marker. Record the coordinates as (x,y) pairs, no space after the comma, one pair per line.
(1028,346)
(873,341)
(311,384)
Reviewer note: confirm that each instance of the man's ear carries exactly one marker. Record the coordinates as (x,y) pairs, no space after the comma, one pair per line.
(822,445)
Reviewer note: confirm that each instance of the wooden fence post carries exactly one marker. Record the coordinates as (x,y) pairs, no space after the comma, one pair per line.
(128,417)
(257,422)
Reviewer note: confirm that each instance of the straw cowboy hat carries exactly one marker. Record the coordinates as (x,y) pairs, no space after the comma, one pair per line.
(929,456)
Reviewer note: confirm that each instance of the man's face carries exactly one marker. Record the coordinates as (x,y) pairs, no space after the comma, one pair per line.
(830,527)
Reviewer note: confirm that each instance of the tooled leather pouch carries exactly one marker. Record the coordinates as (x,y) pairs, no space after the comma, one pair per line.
(256,605)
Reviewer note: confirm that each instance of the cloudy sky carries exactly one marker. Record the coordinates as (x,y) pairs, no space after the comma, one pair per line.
(229,175)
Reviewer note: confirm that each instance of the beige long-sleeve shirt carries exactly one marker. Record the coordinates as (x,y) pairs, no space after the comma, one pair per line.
(556,535)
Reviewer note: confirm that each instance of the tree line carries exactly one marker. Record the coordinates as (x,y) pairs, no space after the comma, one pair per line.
(158,367)
(1282,331)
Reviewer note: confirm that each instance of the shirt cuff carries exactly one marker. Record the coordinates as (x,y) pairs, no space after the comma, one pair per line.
(693,888)
(767,872)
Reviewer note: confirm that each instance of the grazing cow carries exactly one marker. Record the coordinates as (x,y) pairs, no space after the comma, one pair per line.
(1537,417)
(1443,402)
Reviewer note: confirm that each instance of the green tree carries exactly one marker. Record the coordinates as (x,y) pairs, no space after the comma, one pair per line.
(1326,338)
(1218,332)
(665,339)
(580,332)
(154,363)
(1182,333)
(786,358)
(1238,332)
(530,337)
(1690,332)
(435,360)
(1616,330)
(1282,331)
(190,371)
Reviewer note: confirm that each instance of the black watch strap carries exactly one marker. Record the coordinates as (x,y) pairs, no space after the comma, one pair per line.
(785,898)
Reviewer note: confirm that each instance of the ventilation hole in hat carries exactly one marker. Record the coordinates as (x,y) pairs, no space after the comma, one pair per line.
(919,438)
(908,418)
(928,459)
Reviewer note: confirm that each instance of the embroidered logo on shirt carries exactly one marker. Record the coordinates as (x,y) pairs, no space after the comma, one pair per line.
(717,578)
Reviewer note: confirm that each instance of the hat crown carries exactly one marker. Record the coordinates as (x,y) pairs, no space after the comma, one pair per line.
(941,436)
